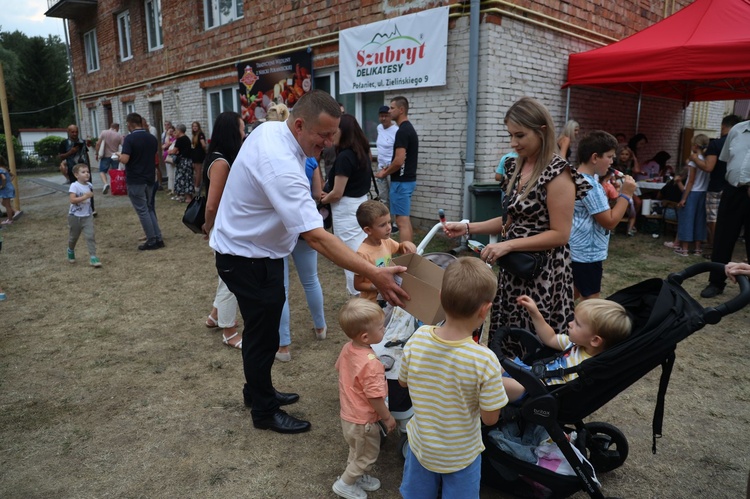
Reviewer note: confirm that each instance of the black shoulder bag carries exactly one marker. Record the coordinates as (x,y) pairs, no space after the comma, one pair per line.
(527,265)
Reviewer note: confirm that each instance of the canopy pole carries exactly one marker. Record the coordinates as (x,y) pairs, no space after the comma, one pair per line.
(638,113)
(471,119)
(681,142)
(567,106)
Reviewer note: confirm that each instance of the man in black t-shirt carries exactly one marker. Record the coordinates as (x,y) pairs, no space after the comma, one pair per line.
(403,167)
(72,151)
(138,152)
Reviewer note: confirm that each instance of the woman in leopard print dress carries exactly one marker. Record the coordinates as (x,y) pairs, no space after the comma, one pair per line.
(542,189)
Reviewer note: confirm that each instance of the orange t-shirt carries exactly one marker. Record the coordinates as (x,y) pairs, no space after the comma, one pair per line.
(380,256)
(361,377)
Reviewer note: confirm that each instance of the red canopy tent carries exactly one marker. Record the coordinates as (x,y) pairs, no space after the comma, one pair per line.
(701,53)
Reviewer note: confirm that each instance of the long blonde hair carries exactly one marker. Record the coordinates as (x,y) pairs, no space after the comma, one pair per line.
(531,114)
(569,130)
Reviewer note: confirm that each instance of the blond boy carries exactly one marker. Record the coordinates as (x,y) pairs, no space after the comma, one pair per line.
(597,325)
(80,214)
(378,248)
(453,383)
(362,393)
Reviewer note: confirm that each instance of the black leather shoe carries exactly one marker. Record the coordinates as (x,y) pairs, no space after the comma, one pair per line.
(281,422)
(711,290)
(160,243)
(150,245)
(282,398)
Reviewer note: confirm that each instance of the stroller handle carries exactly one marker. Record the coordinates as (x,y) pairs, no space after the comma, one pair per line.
(427,238)
(712,315)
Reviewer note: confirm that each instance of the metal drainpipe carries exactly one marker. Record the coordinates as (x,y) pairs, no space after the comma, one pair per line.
(471,125)
(72,76)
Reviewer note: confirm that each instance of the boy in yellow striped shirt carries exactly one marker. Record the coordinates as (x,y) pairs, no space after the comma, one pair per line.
(453,383)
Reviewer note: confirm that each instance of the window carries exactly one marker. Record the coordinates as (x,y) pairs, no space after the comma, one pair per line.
(92,52)
(220,12)
(128,107)
(363,106)
(123,30)
(93,122)
(153,25)
(220,100)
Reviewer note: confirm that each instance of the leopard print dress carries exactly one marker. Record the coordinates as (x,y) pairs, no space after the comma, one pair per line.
(553,289)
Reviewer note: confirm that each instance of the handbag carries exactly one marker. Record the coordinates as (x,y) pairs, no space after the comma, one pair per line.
(526,265)
(376,196)
(195,213)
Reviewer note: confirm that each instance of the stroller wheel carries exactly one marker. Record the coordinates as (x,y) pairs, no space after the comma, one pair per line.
(403,444)
(606,445)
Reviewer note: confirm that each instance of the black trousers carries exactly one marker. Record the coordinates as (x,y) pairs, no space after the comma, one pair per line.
(733,215)
(258,284)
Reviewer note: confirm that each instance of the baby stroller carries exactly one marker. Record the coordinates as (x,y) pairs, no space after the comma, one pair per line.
(399,329)
(663,314)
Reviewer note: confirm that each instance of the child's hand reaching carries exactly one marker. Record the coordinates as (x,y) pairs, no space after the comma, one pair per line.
(408,247)
(528,303)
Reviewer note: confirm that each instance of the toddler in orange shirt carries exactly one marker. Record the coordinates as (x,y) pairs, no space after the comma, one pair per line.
(362,393)
(378,248)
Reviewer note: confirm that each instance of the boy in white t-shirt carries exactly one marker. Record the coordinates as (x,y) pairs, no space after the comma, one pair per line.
(80,214)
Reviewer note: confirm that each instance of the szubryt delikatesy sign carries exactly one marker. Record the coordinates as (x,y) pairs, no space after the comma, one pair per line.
(404,52)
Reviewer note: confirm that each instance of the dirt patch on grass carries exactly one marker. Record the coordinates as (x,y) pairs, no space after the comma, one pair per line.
(112,386)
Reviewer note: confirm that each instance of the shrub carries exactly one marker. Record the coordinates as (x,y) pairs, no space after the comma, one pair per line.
(48,148)
(17,148)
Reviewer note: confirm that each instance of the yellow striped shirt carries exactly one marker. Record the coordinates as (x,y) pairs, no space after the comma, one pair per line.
(449,382)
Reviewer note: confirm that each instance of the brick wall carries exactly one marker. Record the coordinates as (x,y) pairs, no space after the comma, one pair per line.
(516,58)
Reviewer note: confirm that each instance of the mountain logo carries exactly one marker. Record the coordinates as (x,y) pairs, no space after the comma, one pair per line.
(390,48)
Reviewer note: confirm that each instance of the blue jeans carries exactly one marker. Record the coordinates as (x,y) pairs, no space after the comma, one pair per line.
(420,483)
(142,200)
(306,261)
(691,220)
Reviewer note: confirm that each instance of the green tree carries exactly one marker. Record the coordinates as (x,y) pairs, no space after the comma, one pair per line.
(39,92)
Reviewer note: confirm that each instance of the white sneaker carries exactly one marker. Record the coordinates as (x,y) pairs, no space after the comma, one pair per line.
(368,483)
(105,189)
(348,491)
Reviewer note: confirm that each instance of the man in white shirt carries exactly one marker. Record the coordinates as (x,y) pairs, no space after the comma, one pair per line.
(266,206)
(386,136)
(734,207)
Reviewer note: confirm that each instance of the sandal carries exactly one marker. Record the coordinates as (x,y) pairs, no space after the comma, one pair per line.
(681,252)
(226,341)
(669,244)
(698,252)
(212,323)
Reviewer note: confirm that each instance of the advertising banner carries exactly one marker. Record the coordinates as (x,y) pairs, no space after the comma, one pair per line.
(404,52)
(273,80)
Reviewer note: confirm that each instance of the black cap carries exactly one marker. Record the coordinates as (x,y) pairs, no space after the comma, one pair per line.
(384,109)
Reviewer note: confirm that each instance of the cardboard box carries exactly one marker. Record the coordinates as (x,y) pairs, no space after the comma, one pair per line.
(422,280)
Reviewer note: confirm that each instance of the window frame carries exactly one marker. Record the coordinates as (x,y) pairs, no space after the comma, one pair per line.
(128,107)
(220,91)
(94,122)
(211,12)
(152,9)
(124,37)
(91,50)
